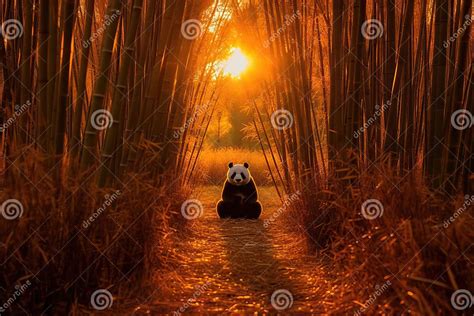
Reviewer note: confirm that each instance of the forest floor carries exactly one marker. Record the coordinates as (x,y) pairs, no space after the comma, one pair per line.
(234,266)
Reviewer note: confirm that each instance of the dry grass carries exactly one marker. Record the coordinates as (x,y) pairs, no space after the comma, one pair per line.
(213,164)
(65,257)
(409,246)
(65,262)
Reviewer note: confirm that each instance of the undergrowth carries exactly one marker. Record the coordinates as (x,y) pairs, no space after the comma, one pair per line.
(74,239)
(408,254)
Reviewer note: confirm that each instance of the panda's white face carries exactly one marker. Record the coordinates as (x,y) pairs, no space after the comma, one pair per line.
(238,174)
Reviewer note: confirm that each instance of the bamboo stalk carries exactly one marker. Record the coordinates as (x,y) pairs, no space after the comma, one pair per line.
(82,80)
(118,100)
(42,73)
(100,86)
(437,119)
(69,15)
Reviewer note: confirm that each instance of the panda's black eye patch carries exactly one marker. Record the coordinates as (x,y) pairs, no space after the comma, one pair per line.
(233,175)
(243,175)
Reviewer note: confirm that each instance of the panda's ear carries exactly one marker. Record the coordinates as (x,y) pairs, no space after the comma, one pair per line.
(231,164)
(246,165)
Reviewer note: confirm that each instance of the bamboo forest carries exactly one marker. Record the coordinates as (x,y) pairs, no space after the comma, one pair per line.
(236,157)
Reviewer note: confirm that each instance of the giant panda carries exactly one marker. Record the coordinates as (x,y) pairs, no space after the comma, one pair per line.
(239,195)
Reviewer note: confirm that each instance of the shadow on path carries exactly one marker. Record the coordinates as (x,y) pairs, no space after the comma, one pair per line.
(234,265)
(249,250)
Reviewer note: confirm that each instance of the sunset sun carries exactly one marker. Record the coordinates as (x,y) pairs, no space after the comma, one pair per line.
(234,65)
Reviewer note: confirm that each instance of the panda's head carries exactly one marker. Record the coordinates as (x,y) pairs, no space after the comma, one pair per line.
(238,174)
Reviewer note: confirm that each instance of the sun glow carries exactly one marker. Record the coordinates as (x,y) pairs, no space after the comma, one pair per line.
(235,65)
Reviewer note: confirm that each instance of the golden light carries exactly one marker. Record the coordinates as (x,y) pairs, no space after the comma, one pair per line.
(218,13)
(234,66)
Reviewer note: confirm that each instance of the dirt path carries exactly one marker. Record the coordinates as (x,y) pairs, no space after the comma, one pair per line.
(234,266)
